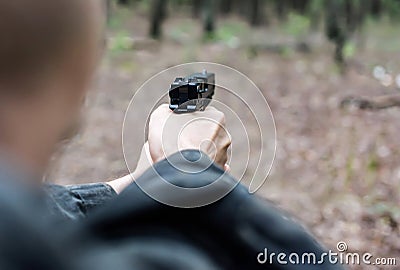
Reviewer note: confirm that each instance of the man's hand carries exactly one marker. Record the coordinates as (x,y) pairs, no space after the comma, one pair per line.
(170,133)
(202,130)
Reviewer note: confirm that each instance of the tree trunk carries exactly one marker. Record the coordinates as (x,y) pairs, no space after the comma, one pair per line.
(157,17)
(208,17)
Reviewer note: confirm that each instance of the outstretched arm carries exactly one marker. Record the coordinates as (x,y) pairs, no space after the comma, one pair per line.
(169,133)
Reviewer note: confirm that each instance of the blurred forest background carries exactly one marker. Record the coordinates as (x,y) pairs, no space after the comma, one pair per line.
(330,70)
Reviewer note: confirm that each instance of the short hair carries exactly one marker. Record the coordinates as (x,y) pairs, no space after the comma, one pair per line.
(34,34)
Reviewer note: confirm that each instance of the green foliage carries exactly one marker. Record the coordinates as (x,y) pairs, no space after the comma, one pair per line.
(121,42)
(128,67)
(349,49)
(297,25)
(117,17)
(251,52)
(229,33)
(286,52)
(316,6)
(373,164)
(393,8)
(144,5)
(114,22)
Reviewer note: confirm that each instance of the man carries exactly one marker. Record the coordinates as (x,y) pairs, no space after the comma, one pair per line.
(48,53)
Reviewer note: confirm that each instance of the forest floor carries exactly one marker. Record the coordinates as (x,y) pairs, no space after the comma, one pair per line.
(337,170)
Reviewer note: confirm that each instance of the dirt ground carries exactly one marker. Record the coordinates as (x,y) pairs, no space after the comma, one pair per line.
(337,170)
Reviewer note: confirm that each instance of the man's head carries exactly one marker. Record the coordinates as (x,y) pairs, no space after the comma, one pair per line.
(48,52)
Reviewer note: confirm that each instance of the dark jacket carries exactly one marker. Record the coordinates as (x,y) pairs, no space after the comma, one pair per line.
(134,231)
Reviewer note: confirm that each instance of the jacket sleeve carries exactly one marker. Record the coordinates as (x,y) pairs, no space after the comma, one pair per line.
(77,201)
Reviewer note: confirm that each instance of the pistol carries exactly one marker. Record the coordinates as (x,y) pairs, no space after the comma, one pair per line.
(192,93)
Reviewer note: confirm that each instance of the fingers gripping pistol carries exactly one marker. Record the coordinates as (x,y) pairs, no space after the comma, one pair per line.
(192,93)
